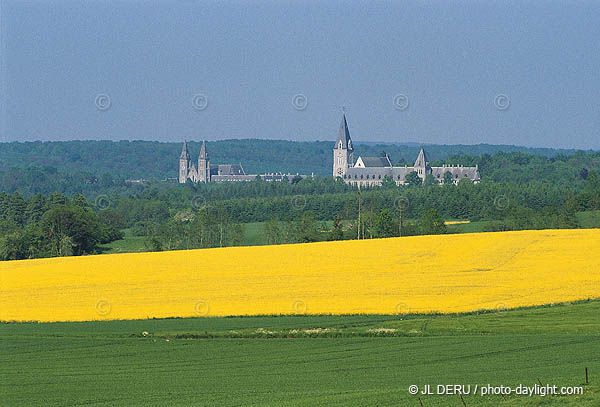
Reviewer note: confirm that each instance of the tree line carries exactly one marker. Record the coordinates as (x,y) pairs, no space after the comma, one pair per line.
(55,225)
(210,215)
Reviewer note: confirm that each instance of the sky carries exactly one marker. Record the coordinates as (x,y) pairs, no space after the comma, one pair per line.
(445,72)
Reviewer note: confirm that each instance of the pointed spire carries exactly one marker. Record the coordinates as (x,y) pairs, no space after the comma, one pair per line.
(422,159)
(184,151)
(203,153)
(343,135)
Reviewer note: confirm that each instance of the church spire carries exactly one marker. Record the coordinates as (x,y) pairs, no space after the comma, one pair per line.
(184,151)
(343,140)
(203,153)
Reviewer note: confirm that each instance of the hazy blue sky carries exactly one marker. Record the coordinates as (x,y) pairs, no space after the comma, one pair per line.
(451,59)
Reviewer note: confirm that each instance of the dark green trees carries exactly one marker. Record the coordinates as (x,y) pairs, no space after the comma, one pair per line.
(432,223)
(412,179)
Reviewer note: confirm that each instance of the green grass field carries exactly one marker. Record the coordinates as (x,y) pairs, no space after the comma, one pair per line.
(129,244)
(302,360)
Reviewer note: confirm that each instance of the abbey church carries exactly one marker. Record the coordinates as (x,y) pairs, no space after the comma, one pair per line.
(365,171)
(371,171)
(207,172)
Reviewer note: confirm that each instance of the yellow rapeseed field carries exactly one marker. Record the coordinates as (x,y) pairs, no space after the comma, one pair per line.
(447,273)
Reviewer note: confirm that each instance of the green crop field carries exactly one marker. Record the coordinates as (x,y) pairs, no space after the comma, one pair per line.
(128,244)
(302,360)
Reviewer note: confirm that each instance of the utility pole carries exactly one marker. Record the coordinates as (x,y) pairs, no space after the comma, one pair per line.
(358,237)
(400,224)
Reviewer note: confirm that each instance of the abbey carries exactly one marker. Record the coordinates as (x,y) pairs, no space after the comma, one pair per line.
(207,172)
(370,171)
(365,171)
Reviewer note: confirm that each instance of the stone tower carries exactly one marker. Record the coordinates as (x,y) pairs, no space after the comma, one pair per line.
(184,164)
(203,164)
(422,166)
(343,153)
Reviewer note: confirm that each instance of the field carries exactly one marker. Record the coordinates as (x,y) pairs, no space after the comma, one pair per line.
(329,360)
(421,274)
(129,244)
(409,314)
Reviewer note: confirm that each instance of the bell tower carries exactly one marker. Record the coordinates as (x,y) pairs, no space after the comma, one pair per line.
(203,164)
(343,153)
(184,163)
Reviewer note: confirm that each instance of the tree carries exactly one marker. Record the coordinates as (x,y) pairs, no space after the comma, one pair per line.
(448,179)
(17,207)
(384,224)
(111,223)
(388,182)
(432,223)
(337,231)
(413,179)
(74,222)
(273,232)
(305,228)
(430,180)
(79,200)
(14,246)
(66,246)
(36,206)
